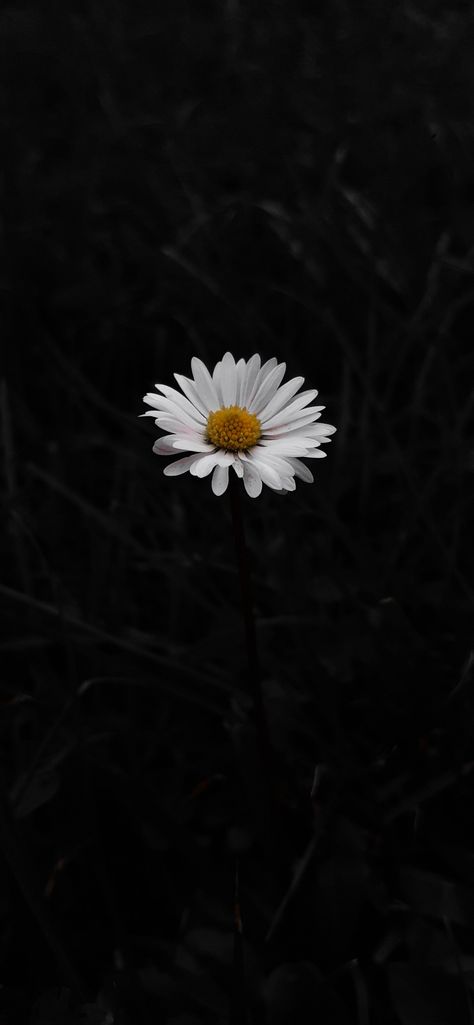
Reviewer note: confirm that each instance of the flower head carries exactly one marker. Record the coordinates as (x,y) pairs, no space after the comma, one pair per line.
(241,416)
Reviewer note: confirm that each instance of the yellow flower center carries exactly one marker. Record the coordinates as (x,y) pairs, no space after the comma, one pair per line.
(233,428)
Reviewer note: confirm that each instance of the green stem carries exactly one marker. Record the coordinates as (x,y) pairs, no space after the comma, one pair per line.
(254,669)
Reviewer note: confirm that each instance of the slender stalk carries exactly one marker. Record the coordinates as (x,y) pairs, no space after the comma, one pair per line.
(238,1009)
(254,669)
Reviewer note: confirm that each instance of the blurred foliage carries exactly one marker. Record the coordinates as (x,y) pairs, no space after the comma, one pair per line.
(298,180)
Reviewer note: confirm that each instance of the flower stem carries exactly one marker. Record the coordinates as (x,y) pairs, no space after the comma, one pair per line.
(254,669)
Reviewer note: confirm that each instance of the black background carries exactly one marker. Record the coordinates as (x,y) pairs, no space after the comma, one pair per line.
(182,179)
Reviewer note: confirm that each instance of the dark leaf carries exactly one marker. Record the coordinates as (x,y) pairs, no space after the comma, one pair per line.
(299,993)
(430,894)
(426,997)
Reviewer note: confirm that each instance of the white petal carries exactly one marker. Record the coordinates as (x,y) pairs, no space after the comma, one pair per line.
(207,463)
(189,389)
(281,447)
(315,453)
(295,437)
(185,443)
(204,384)
(152,399)
(238,467)
(240,375)
(267,388)
(292,429)
(280,464)
(250,376)
(316,432)
(302,471)
(220,479)
(177,426)
(252,480)
(311,430)
(261,378)
(181,401)
(163,446)
(216,377)
(281,398)
(311,443)
(180,466)
(275,416)
(267,472)
(274,487)
(228,379)
(171,408)
(225,458)
(290,421)
(204,465)
(324,429)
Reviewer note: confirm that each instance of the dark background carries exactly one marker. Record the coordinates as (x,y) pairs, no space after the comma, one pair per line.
(181,179)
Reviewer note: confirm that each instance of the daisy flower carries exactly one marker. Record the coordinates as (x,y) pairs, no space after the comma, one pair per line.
(242,417)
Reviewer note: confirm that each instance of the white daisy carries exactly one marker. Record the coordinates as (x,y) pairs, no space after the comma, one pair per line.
(241,416)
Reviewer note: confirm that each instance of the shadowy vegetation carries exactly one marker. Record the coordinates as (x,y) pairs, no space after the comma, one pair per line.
(180,180)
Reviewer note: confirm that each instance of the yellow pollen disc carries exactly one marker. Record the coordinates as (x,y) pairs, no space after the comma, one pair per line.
(233,428)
